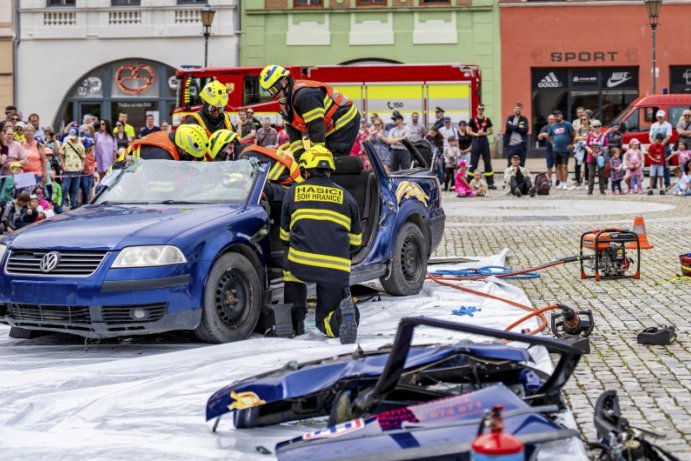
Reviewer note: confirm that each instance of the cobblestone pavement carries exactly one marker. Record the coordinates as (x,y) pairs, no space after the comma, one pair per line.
(653,382)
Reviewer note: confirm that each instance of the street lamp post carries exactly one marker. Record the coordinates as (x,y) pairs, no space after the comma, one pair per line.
(207,15)
(653,7)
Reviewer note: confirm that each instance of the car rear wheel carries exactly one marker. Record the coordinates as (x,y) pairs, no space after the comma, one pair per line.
(409,263)
(232,300)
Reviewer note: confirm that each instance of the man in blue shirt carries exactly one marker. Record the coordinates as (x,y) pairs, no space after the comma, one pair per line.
(561,135)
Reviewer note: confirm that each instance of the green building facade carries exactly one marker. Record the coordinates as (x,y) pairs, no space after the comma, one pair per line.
(327,32)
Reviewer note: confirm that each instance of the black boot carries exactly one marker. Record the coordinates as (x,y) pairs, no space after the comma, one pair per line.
(298,315)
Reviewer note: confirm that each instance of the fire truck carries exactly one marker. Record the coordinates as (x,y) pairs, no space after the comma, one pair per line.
(377,89)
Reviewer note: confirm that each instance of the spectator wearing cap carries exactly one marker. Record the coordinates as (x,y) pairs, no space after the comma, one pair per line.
(517,178)
(417,129)
(439,114)
(448,131)
(516,135)
(663,127)
(72,154)
(390,126)
(86,183)
(9,192)
(19,132)
(480,128)
(561,136)
(400,157)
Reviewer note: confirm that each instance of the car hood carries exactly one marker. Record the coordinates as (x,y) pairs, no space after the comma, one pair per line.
(111,227)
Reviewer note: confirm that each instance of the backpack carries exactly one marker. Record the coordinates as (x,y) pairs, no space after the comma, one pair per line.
(542,184)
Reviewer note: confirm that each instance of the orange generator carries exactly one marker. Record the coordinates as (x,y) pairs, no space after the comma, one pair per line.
(609,259)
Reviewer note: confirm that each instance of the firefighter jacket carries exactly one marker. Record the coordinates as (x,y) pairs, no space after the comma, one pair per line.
(320,223)
(316,109)
(284,169)
(157,145)
(201,118)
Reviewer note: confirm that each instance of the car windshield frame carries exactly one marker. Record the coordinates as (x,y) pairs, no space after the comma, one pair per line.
(169,182)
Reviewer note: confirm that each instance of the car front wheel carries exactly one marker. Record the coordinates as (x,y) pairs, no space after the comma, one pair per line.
(232,300)
(409,262)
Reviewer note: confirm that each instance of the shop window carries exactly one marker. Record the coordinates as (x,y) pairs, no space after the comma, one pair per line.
(125,2)
(613,102)
(62,2)
(544,102)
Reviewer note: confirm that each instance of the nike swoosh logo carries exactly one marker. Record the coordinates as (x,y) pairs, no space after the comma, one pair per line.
(612,83)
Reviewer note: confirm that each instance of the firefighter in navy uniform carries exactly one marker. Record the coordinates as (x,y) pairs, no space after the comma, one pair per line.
(212,115)
(312,109)
(320,223)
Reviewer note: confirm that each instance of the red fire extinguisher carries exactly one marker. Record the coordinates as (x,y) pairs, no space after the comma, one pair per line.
(496,445)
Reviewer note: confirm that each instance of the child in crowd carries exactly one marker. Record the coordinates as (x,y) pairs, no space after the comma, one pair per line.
(656,152)
(478,184)
(683,154)
(596,165)
(32,213)
(682,185)
(451,158)
(9,191)
(57,191)
(13,213)
(616,170)
(634,166)
(463,189)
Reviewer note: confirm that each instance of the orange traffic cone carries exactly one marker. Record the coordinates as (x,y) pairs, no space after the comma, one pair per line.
(639,228)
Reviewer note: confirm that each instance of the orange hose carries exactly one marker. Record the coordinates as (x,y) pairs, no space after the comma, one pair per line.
(533,312)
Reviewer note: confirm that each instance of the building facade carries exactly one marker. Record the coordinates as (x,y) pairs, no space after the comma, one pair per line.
(595,54)
(103,57)
(7,54)
(321,32)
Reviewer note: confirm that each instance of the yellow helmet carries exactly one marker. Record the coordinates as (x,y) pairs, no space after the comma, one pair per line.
(215,94)
(270,76)
(317,156)
(219,140)
(192,139)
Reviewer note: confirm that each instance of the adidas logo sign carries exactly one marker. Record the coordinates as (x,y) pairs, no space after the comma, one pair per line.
(549,81)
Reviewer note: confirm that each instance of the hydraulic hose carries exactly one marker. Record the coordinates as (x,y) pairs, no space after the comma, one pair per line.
(490,271)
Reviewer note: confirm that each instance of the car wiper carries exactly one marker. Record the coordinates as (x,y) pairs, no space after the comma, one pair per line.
(177,202)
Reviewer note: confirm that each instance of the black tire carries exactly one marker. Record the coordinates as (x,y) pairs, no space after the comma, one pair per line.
(409,262)
(232,300)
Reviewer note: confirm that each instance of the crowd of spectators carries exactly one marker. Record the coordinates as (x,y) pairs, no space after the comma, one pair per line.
(601,153)
(44,172)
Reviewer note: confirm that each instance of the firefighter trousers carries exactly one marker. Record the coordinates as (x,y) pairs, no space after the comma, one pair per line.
(340,142)
(481,149)
(329,296)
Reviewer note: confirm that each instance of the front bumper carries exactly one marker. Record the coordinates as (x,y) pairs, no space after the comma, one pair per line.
(103,304)
(100,321)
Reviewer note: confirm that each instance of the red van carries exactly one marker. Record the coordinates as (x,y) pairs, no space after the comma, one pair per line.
(637,119)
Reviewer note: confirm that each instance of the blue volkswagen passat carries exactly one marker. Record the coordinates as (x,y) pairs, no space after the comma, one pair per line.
(191,246)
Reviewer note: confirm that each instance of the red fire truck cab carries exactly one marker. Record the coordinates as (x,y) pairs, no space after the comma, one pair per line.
(377,89)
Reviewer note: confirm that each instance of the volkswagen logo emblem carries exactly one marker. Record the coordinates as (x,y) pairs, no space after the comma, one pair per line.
(49,261)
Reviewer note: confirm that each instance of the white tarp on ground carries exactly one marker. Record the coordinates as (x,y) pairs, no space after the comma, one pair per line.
(145,399)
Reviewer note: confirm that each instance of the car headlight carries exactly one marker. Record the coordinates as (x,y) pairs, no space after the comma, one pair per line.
(3,250)
(146,256)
